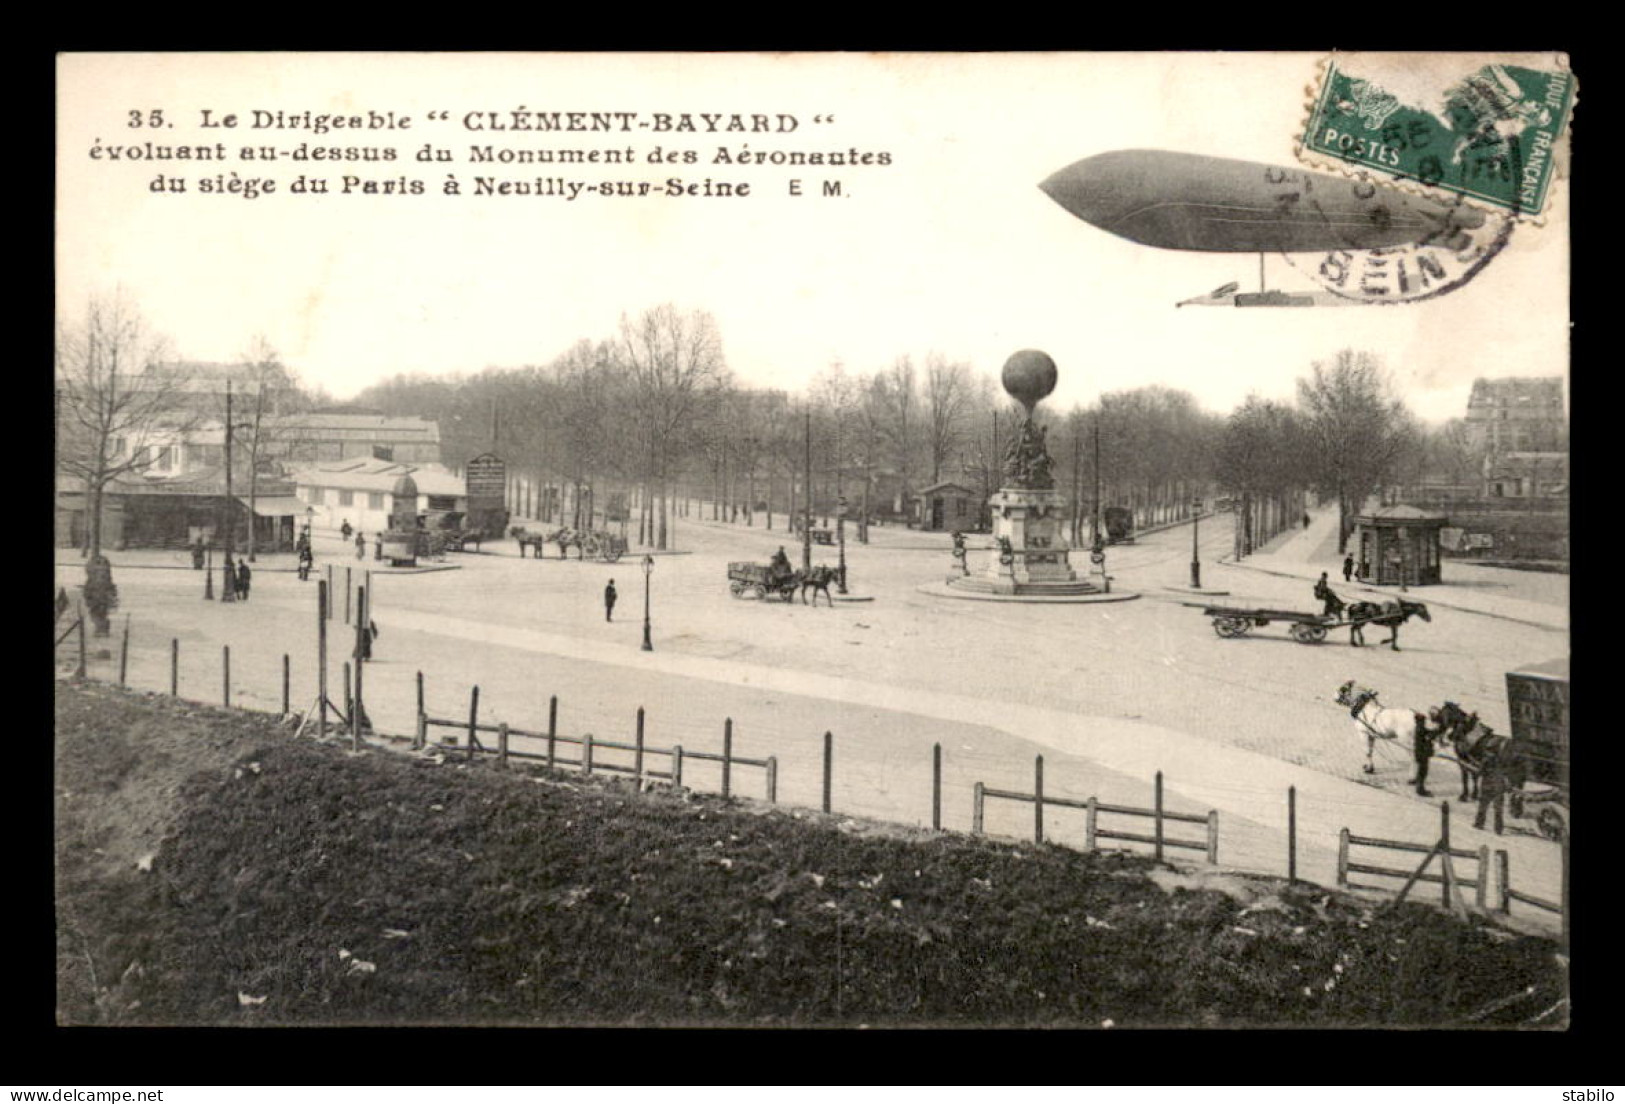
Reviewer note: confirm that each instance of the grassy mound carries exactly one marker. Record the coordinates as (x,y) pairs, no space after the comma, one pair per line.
(299,884)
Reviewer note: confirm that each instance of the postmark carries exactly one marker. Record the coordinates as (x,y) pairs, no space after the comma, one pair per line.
(1491,129)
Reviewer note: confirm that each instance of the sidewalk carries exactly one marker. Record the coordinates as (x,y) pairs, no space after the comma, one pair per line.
(1305,553)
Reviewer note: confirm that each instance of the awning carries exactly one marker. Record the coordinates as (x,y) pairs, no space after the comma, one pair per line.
(275,505)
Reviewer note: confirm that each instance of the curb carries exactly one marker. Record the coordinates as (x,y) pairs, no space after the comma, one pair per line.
(1447,604)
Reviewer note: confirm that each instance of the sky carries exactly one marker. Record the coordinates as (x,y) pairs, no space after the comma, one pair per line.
(950,248)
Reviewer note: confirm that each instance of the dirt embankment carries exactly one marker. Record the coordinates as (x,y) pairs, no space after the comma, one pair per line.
(212,871)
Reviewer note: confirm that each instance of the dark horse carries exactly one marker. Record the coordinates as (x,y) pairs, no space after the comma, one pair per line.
(1492,765)
(1392,614)
(817,580)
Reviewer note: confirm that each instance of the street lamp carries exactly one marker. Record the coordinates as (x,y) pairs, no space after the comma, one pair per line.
(1196,558)
(648,570)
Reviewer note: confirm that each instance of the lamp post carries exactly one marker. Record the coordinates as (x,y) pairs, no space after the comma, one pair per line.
(648,570)
(1196,558)
(208,574)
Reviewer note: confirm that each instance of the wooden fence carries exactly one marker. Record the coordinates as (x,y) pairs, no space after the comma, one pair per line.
(1093,808)
(1446,879)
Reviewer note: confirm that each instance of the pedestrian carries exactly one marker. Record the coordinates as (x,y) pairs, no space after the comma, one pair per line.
(344,530)
(1348,568)
(305,563)
(377,546)
(243,577)
(228,579)
(609,601)
(360,545)
(1306,521)
(197,555)
(1422,750)
(364,639)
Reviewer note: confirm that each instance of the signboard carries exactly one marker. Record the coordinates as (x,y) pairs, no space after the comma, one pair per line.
(486,477)
(1539,706)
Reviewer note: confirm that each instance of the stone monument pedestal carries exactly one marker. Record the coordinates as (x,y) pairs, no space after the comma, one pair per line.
(1032,556)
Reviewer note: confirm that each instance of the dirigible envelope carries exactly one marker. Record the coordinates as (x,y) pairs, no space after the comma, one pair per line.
(1217,205)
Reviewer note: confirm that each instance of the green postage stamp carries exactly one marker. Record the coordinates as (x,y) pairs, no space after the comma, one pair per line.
(1490,129)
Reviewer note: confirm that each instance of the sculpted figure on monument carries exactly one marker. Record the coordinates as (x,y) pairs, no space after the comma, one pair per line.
(1027,461)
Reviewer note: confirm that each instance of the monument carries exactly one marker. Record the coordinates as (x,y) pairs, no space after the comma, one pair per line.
(400,540)
(1031,559)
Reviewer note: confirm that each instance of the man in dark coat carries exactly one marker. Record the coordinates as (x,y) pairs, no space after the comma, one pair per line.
(197,555)
(1332,605)
(609,601)
(243,577)
(1348,568)
(345,530)
(1422,749)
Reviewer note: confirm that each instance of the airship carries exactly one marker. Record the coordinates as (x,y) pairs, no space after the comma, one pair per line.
(1193,202)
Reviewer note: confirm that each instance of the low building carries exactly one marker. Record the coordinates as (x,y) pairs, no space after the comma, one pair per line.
(949,506)
(361,491)
(1398,545)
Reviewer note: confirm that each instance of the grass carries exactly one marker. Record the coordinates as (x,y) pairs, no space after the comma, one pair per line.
(297,883)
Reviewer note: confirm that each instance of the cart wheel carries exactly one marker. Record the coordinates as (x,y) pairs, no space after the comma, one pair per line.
(758,592)
(1229,626)
(1552,824)
(737,589)
(1308,634)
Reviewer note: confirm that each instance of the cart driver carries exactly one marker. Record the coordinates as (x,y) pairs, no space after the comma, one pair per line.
(781,563)
(1332,605)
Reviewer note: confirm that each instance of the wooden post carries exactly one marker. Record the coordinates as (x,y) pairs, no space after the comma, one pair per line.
(421,739)
(174,667)
(124,653)
(977,799)
(1038,800)
(473,720)
(321,654)
(420,693)
(225,674)
(83,666)
(637,756)
(1343,857)
(1157,815)
(586,753)
(328,611)
(349,698)
(286,685)
(1503,883)
(1090,814)
(349,589)
(936,787)
(727,755)
(552,727)
(677,765)
(1444,848)
(829,762)
(502,745)
(1213,836)
(772,779)
(1291,834)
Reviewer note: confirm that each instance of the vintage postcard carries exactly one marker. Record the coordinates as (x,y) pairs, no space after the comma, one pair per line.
(731,539)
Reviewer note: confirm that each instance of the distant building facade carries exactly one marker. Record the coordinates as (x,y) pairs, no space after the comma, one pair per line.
(361,491)
(1518,414)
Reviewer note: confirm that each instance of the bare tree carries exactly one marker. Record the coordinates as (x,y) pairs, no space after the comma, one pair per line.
(947,390)
(1359,430)
(113,418)
(899,393)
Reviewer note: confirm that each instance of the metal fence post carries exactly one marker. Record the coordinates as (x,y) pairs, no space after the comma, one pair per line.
(637,756)
(286,685)
(473,720)
(349,589)
(421,739)
(124,653)
(1157,812)
(349,701)
(977,798)
(1038,799)
(552,727)
(829,767)
(727,755)
(225,674)
(420,693)
(936,787)
(1291,834)
(174,666)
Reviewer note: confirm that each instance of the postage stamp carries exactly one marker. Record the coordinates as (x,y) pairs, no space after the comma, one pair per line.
(1488,128)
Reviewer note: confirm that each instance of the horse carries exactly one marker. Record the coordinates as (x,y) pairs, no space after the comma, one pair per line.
(817,580)
(1495,763)
(1374,721)
(1392,614)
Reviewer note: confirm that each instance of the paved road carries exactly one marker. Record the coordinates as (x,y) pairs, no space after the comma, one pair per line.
(1108,693)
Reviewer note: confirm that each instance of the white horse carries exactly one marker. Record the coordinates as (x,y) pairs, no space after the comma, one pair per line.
(1374,721)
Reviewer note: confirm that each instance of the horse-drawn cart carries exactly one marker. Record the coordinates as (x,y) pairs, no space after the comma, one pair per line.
(754,580)
(1306,628)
